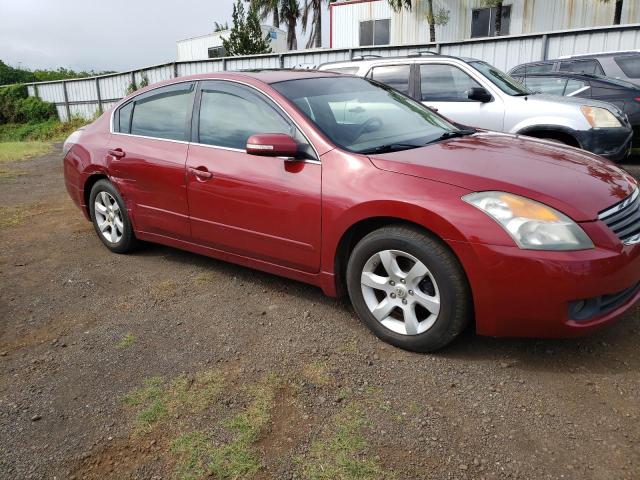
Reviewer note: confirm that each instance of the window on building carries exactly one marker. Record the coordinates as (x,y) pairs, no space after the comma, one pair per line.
(630,65)
(582,66)
(445,83)
(396,76)
(215,52)
(162,113)
(483,21)
(375,32)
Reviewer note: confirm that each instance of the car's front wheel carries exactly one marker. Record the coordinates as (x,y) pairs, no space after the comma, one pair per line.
(110,219)
(408,288)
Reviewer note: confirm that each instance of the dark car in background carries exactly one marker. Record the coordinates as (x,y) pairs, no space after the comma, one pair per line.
(620,65)
(622,94)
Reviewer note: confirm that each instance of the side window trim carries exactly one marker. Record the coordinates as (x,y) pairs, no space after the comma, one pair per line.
(412,66)
(195,118)
(115,123)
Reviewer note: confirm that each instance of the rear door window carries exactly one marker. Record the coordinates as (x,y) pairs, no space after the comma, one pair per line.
(582,66)
(630,65)
(576,88)
(396,76)
(162,113)
(445,83)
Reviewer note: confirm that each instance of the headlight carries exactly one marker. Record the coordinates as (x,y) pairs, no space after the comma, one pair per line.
(71,141)
(532,225)
(600,117)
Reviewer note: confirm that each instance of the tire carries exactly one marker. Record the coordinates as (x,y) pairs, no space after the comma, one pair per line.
(114,219)
(443,288)
(554,140)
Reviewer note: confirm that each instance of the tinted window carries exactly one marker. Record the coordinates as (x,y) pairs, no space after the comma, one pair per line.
(483,21)
(549,85)
(230,114)
(374,116)
(575,87)
(366,33)
(500,79)
(582,66)
(164,112)
(396,76)
(446,83)
(124,117)
(630,65)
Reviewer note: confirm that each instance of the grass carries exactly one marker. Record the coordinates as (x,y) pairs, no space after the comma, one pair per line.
(10,174)
(126,341)
(200,454)
(16,151)
(204,278)
(159,399)
(316,373)
(50,130)
(341,453)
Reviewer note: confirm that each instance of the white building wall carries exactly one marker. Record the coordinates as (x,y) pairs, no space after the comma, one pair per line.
(527,16)
(197,48)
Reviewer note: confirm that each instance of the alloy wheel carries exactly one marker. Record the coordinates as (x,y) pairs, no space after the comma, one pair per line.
(400,292)
(108,217)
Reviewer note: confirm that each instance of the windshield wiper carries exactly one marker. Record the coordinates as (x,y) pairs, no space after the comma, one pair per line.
(452,134)
(389,147)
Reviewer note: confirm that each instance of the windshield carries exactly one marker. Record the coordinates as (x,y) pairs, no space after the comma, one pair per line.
(504,82)
(363,116)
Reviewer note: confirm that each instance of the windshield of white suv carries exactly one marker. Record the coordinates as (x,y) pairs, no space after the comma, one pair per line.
(504,82)
(364,116)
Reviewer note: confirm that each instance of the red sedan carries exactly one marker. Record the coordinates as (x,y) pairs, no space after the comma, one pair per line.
(349,185)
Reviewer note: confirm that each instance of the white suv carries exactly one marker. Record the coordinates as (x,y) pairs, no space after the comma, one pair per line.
(472,92)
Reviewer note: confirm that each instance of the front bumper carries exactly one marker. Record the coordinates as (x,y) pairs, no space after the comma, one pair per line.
(523,293)
(611,143)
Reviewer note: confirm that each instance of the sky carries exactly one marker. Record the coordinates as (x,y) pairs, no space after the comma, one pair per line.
(106,34)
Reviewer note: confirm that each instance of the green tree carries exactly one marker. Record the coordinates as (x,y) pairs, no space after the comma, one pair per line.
(220,27)
(312,10)
(290,14)
(245,37)
(267,8)
(441,17)
(617,14)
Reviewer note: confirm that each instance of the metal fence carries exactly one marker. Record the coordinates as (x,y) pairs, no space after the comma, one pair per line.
(84,97)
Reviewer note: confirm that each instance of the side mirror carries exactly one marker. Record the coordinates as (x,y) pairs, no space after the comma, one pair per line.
(479,94)
(272,145)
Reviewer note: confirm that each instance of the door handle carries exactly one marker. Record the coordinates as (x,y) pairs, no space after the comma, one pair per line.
(201,172)
(117,152)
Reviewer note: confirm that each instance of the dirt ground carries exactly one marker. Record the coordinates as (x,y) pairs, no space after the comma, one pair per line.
(165,364)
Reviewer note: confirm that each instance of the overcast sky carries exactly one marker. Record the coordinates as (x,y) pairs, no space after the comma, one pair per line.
(105,34)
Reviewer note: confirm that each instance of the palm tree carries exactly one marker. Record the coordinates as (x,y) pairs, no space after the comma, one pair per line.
(267,8)
(439,18)
(313,9)
(617,13)
(289,14)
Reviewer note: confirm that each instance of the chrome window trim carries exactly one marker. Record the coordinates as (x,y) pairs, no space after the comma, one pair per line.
(117,107)
(622,205)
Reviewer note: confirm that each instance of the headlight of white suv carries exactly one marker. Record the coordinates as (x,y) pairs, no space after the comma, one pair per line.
(532,225)
(600,117)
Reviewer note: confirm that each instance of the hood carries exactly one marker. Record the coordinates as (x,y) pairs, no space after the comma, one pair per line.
(572,181)
(542,98)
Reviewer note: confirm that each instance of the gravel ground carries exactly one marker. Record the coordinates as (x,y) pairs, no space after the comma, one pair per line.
(165,364)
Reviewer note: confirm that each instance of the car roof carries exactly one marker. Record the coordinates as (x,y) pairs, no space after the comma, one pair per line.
(267,76)
(601,54)
(584,76)
(371,60)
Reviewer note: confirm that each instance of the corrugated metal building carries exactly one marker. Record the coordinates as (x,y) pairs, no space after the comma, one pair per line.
(359,23)
(210,45)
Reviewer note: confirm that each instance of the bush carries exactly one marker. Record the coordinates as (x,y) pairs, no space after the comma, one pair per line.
(49,130)
(17,107)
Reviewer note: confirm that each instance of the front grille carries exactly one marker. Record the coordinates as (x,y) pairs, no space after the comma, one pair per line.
(624,218)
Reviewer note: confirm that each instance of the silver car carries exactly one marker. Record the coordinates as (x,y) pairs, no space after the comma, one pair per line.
(472,92)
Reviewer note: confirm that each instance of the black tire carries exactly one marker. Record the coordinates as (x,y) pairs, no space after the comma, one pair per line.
(128,241)
(455,296)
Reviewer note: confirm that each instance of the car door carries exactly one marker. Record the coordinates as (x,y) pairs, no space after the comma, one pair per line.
(445,87)
(266,208)
(147,157)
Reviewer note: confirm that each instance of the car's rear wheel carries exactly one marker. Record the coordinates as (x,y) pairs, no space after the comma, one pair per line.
(408,288)
(110,219)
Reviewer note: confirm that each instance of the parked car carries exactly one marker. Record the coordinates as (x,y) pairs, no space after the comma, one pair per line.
(622,94)
(624,65)
(426,226)
(472,92)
